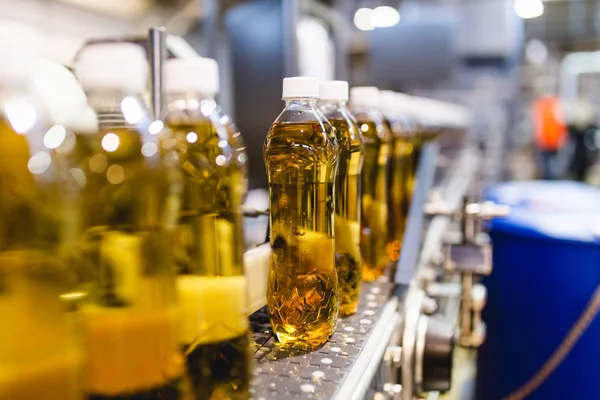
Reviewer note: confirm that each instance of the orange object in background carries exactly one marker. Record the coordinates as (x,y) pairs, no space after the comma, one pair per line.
(550,130)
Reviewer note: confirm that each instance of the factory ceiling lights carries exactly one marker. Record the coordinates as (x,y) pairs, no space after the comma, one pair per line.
(367,19)
(528,9)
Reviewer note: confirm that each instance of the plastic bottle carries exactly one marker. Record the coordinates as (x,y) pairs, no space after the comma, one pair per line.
(400,172)
(300,154)
(125,213)
(348,262)
(209,253)
(374,216)
(40,356)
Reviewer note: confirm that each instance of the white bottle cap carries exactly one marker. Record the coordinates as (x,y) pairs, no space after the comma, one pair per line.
(364,96)
(300,86)
(19,46)
(387,100)
(197,75)
(113,66)
(333,90)
(402,104)
(58,90)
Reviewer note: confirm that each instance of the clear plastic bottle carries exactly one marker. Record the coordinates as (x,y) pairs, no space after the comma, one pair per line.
(374,216)
(40,355)
(209,252)
(300,154)
(348,262)
(409,126)
(400,171)
(125,214)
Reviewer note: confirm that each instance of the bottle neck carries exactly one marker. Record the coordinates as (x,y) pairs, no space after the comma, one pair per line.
(173,96)
(333,103)
(300,102)
(100,99)
(365,107)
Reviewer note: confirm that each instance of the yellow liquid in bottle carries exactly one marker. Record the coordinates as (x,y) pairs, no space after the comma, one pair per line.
(302,293)
(209,255)
(40,354)
(401,175)
(348,262)
(127,205)
(374,216)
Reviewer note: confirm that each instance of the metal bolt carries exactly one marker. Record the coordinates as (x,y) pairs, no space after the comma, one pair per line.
(394,353)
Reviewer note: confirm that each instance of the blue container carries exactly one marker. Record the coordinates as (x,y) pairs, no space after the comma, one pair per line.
(546,268)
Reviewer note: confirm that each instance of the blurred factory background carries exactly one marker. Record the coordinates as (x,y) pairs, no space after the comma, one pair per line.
(495,56)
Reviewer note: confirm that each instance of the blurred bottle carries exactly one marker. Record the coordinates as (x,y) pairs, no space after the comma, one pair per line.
(374,216)
(401,170)
(427,128)
(210,244)
(300,155)
(40,355)
(348,263)
(126,212)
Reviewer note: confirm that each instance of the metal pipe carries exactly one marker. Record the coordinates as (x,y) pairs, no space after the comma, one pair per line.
(157,48)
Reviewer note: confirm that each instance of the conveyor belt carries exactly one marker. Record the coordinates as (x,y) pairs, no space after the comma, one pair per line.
(347,366)
(321,373)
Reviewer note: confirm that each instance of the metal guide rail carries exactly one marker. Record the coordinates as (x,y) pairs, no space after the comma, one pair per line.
(326,372)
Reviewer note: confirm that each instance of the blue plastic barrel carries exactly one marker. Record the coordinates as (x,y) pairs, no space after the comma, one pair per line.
(546,268)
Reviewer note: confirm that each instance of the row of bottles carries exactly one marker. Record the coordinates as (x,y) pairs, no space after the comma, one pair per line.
(121,241)
(340,185)
(121,236)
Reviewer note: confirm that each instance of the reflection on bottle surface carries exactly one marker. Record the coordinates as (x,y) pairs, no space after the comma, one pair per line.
(127,202)
(215,331)
(302,294)
(348,260)
(39,351)
(374,222)
(211,285)
(401,177)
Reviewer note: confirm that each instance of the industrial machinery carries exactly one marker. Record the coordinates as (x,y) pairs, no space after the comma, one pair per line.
(400,342)
(399,345)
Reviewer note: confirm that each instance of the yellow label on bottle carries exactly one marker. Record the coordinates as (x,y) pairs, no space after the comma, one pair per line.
(347,237)
(55,378)
(129,351)
(213,308)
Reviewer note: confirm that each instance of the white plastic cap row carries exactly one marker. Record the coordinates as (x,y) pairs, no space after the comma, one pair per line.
(424,110)
(392,104)
(304,86)
(123,66)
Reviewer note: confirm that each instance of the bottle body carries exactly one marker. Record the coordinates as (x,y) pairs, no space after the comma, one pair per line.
(236,141)
(374,216)
(300,154)
(348,260)
(125,204)
(209,254)
(401,177)
(40,353)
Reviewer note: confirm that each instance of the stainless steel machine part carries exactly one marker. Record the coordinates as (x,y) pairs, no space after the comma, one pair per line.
(157,39)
